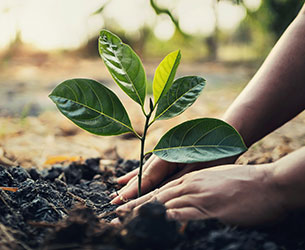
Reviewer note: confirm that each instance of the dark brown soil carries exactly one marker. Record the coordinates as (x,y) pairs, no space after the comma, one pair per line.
(68,208)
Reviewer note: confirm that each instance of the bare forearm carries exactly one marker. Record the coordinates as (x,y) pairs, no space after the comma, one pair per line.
(288,175)
(277,92)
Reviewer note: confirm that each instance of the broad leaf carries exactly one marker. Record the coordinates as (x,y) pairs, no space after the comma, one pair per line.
(200,140)
(91,106)
(124,66)
(165,74)
(183,93)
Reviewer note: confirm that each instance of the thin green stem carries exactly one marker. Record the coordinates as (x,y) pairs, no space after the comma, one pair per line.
(142,153)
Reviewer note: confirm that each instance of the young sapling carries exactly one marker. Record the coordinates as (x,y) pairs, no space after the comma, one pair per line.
(96,109)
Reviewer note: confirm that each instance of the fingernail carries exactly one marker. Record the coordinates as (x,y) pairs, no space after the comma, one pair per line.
(115,201)
(113,195)
(120,180)
(120,208)
(115,221)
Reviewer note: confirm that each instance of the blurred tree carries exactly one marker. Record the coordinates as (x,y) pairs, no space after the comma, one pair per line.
(275,15)
(175,21)
(262,27)
(211,41)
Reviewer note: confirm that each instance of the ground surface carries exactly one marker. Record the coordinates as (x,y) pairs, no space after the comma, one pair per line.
(67,207)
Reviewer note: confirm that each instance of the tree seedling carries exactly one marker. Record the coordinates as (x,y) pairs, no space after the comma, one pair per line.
(96,109)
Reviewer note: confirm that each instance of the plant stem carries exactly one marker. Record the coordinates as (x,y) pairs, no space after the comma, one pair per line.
(142,152)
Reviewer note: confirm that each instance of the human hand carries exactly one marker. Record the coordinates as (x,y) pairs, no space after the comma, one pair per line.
(234,194)
(155,170)
(158,172)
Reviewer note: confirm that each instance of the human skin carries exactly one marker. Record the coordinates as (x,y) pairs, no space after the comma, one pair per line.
(239,195)
(275,95)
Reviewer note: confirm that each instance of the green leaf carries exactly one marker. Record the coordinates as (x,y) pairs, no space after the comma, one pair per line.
(165,74)
(183,93)
(91,106)
(124,66)
(200,140)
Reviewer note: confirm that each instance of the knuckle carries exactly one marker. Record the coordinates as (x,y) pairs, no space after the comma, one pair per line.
(181,190)
(186,177)
(174,214)
(148,179)
(154,195)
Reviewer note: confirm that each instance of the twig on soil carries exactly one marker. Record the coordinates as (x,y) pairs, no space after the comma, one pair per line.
(84,202)
(53,207)
(105,214)
(4,201)
(81,200)
(12,189)
(42,224)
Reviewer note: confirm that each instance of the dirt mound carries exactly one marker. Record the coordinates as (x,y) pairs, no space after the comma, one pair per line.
(67,207)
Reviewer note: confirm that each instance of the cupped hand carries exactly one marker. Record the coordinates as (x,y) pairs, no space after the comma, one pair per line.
(234,194)
(157,172)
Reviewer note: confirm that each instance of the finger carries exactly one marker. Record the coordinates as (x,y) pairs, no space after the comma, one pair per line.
(185,214)
(161,195)
(181,201)
(171,184)
(125,178)
(189,200)
(131,189)
(133,185)
(152,177)
(118,192)
(128,192)
(134,203)
(189,168)
(131,182)
(115,221)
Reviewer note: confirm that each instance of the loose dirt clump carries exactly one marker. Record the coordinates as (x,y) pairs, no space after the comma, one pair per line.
(48,195)
(67,207)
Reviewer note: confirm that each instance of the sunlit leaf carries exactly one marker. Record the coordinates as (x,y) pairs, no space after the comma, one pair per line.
(124,66)
(91,106)
(200,140)
(183,93)
(165,74)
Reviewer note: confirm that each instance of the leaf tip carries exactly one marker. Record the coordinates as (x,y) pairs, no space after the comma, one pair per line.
(177,54)
(51,96)
(107,35)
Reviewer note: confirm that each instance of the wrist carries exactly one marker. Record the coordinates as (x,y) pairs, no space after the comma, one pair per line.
(288,187)
(274,190)
(289,194)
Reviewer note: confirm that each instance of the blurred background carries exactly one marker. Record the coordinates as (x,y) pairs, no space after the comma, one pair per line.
(44,42)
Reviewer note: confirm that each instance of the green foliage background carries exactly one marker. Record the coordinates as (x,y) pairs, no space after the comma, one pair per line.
(252,40)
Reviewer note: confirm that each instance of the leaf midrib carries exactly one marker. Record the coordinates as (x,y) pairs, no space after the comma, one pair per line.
(195,146)
(175,101)
(169,75)
(127,76)
(97,111)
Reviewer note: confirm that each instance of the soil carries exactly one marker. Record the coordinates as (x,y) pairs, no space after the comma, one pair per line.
(67,207)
